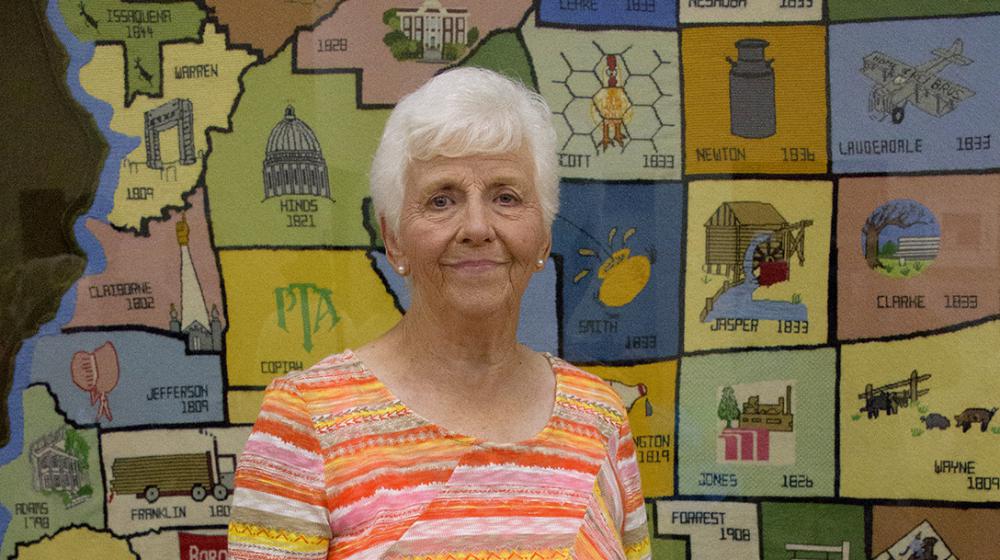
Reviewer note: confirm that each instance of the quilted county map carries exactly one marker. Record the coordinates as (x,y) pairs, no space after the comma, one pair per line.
(779,242)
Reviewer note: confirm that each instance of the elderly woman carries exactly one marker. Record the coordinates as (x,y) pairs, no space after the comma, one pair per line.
(445,437)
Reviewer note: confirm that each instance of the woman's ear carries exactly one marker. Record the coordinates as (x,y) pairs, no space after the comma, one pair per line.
(546,250)
(392,249)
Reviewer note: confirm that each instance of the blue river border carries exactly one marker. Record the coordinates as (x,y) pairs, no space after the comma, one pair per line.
(119,146)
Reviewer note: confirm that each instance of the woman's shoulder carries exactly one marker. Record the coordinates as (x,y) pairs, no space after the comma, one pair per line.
(590,391)
(342,370)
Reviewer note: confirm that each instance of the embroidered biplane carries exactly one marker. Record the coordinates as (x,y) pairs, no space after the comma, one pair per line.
(898,83)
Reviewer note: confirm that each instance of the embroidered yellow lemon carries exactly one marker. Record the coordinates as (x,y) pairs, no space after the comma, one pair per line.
(623,276)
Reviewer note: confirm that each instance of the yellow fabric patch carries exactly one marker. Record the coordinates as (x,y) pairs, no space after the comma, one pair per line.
(638,550)
(247,534)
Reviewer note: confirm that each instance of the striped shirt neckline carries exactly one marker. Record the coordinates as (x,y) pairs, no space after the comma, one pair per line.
(349,356)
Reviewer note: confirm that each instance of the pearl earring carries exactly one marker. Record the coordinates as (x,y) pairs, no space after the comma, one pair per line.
(401,269)
(541,263)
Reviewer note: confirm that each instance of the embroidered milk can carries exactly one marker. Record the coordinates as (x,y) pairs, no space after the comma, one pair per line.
(751,91)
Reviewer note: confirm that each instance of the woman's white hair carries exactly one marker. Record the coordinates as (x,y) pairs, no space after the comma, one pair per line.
(462,112)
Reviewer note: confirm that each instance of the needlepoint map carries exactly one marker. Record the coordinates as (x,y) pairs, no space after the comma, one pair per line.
(778,242)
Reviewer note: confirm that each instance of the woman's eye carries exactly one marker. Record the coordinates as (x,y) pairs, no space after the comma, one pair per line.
(440,201)
(506,198)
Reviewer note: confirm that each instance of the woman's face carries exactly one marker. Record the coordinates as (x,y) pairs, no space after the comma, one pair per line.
(471,232)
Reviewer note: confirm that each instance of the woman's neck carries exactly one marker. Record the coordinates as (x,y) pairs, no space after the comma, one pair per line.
(477,342)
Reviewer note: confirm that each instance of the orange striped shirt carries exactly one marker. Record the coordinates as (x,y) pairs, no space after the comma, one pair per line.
(337,467)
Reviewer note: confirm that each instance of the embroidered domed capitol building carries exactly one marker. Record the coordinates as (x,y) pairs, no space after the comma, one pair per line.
(293,160)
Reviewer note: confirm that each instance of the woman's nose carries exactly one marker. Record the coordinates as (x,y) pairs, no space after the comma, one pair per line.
(476,226)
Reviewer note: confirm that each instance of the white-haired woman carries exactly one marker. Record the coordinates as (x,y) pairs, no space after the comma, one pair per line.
(445,437)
